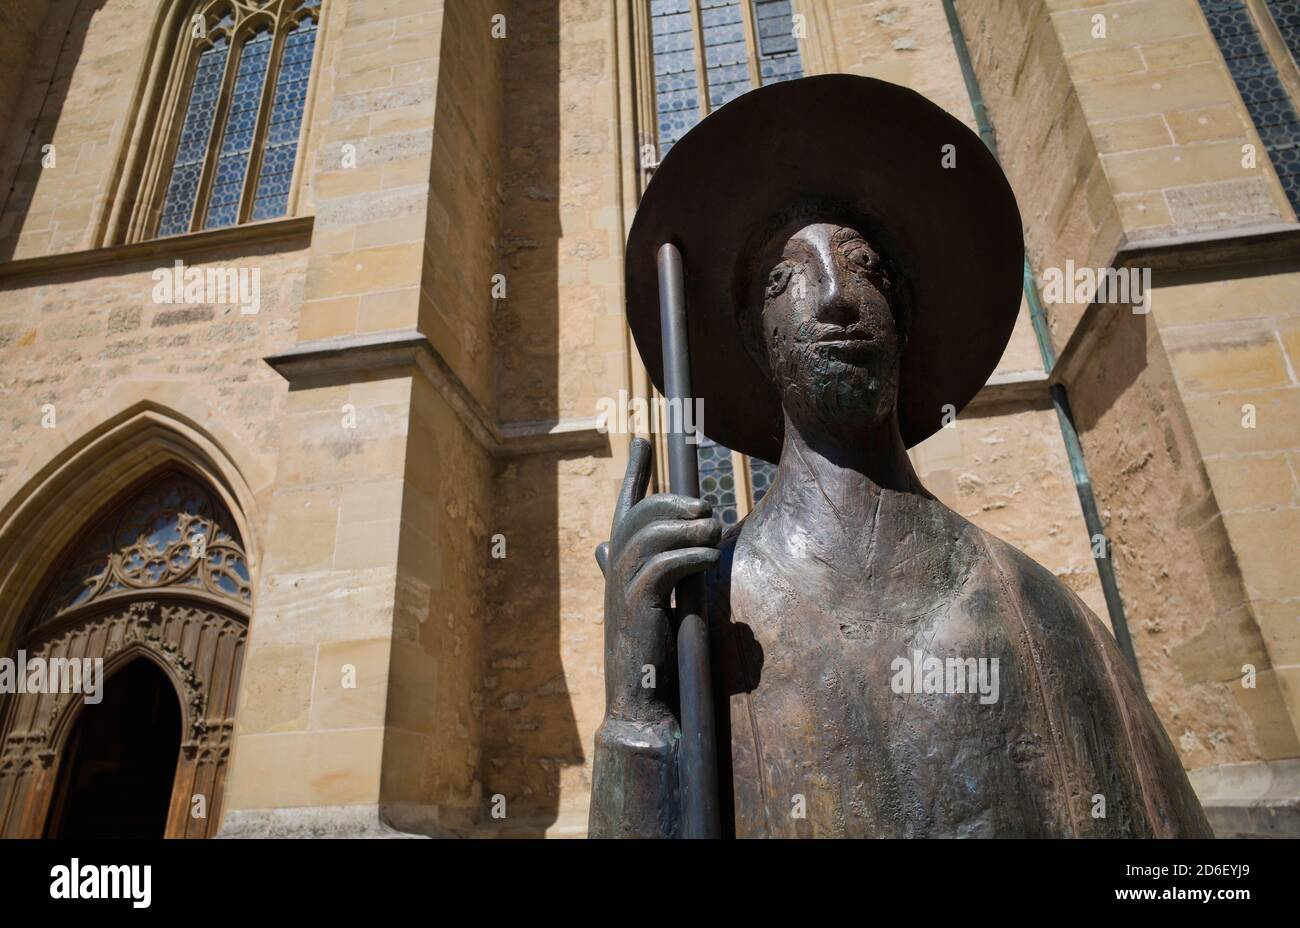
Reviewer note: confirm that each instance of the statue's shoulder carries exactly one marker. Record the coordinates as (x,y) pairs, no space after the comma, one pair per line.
(1034,587)
(1021,577)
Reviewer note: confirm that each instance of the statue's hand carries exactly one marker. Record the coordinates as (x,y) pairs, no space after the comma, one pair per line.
(654,543)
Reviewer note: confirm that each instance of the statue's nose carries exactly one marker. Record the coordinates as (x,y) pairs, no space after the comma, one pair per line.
(834,305)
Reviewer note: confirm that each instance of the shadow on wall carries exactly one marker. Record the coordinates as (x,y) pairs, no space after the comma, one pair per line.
(1106,375)
(35,81)
(531,734)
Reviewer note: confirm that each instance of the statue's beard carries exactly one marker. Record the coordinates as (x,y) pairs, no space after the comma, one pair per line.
(843,392)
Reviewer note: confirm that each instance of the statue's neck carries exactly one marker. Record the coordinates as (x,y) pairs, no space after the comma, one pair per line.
(825,485)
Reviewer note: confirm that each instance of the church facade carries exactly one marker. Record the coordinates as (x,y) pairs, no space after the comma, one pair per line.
(318,389)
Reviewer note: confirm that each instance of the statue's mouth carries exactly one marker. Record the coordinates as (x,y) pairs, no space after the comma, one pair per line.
(842,335)
(848,350)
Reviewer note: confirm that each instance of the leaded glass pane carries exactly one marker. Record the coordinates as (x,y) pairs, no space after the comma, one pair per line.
(761,475)
(192,146)
(726,57)
(1257,81)
(281,147)
(778,49)
(1286,14)
(240,129)
(717,480)
(677,92)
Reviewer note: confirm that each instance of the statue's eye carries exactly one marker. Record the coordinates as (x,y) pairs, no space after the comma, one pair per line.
(862,256)
(778,279)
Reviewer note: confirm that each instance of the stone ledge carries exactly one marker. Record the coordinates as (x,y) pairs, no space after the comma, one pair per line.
(394,820)
(250,233)
(1251,800)
(1024,389)
(364,821)
(1251,245)
(1199,253)
(350,354)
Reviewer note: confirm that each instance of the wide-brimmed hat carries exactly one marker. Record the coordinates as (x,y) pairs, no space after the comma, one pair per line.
(916,181)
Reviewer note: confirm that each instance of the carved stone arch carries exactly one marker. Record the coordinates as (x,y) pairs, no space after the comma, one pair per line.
(73,478)
(138,584)
(80,467)
(258,19)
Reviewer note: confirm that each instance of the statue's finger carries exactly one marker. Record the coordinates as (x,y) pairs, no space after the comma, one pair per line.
(653,509)
(602,558)
(635,480)
(666,535)
(664,571)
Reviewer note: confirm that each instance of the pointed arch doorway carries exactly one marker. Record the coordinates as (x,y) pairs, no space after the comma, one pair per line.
(119,763)
(156,595)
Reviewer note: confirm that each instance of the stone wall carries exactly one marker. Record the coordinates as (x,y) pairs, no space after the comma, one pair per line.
(1176,572)
(366,652)
(82,107)
(27,61)
(72,339)
(1233,339)
(1130,106)
(368,172)
(1168,122)
(560,338)
(1045,142)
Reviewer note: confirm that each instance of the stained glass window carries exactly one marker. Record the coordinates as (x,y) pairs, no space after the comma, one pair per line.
(1286,14)
(718,480)
(192,148)
(241,126)
(1255,74)
(761,475)
(1286,158)
(732,45)
(778,49)
(272,196)
(174,533)
(243,115)
(726,54)
(676,89)
(729,43)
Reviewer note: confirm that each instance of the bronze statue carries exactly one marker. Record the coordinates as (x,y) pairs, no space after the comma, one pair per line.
(880,666)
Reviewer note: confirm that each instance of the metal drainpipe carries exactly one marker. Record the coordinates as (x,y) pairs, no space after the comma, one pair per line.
(1078,468)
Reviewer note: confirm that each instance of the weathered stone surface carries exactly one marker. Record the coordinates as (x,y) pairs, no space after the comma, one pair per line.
(479,676)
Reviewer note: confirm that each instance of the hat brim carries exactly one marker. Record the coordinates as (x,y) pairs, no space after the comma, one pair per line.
(877,149)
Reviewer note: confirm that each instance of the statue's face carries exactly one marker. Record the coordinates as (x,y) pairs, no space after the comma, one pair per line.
(831,338)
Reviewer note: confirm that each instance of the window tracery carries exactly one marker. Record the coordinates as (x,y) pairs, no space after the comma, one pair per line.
(245,66)
(173,533)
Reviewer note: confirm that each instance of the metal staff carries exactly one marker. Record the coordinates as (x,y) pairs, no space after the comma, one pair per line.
(697,757)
